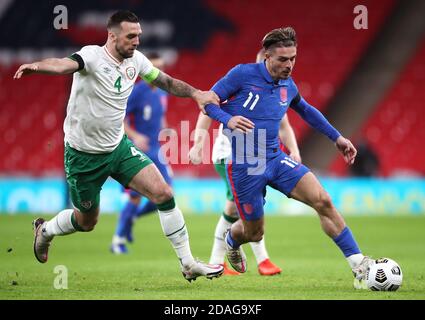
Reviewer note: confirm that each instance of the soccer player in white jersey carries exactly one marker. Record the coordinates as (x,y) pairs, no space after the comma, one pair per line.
(221,151)
(96,146)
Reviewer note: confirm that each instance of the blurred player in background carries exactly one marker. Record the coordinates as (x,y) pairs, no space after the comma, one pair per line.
(96,146)
(259,96)
(144,120)
(222,150)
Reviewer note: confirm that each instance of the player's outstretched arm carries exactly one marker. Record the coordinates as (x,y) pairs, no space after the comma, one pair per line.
(180,88)
(49,66)
(287,135)
(316,119)
(201,132)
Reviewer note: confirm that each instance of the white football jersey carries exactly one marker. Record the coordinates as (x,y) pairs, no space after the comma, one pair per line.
(222,149)
(98,100)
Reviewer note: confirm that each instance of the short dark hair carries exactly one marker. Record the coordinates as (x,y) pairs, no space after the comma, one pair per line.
(281,37)
(120,16)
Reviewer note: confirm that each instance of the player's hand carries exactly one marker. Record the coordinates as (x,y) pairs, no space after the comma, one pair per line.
(195,154)
(347,149)
(25,69)
(240,124)
(205,97)
(142,142)
(295,156)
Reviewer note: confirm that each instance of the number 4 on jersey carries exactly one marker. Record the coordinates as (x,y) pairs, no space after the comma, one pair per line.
(117,84)
(137,153)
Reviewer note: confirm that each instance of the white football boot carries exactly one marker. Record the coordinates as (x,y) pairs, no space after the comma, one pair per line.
(41,242)
(360,273)
(201,269)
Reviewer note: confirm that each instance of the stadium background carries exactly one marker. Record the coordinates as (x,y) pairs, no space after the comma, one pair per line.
(369,82)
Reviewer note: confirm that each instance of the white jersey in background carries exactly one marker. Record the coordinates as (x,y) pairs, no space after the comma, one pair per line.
(222,147)
(98,100)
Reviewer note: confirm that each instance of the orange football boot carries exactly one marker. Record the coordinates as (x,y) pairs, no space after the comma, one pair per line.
(268,268)
(228,271)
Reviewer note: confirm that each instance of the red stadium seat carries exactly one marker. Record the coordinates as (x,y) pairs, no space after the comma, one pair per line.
(328,50)
(33,108)
(395,128)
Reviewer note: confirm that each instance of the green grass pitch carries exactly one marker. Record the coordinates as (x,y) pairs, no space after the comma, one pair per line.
(313,267)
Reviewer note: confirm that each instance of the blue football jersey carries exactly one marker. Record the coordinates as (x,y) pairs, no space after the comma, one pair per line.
(146,108)
(250,91)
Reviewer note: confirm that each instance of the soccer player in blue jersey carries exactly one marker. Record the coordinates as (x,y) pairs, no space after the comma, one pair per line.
(259,95)
(145,118)
(220,152)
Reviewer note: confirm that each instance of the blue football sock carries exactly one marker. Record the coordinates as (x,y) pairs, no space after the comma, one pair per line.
(125,220)
(346,242)
(146,208)
(232,242)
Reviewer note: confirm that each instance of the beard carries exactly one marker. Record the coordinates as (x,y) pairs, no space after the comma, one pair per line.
(286,74)
(124,54)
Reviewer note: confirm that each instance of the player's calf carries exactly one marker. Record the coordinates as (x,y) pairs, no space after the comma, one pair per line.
(253,231)
(86,221)
(255,236)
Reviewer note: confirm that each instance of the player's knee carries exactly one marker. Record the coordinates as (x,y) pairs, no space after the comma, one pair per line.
(233,214)
(230,209)
(323,201)
(163,194)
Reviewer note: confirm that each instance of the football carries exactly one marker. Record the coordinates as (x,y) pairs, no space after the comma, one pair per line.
(384,275)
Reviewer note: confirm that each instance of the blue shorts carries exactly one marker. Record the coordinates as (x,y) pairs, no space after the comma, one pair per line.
(165,169)
(249,183)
